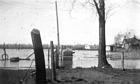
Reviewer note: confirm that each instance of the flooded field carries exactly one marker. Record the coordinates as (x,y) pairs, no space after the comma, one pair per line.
(81,58)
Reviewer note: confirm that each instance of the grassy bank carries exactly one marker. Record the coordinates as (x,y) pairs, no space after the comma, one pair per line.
(14,76)
(76,76)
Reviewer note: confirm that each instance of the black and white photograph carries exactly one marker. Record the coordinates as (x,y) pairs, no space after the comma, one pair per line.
(69,42)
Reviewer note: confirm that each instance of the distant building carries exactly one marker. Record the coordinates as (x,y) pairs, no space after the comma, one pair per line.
(111,48)
(131,43)
(87,47)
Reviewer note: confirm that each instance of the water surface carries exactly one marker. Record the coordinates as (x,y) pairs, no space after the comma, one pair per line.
(81,58)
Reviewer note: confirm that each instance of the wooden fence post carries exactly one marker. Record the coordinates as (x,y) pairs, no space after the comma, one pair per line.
(122,60)
(53,68)
(39,57)
(48,58)
(61,54)
(4,55)
(56,54)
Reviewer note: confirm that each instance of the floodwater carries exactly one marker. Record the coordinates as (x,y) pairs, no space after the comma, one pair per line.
(81,58)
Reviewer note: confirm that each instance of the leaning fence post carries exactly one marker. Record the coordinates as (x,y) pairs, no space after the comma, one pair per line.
(53,62)
(122,60)
(39,57)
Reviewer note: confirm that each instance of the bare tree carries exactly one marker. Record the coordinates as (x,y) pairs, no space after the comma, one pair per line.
(102,61)
(103,12)
(118,39)
(100,8)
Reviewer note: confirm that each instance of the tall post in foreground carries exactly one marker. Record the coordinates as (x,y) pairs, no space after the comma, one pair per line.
(39,57)
(53,62)
(58,38)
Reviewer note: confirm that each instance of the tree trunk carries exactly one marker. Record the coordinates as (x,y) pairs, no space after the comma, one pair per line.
(102,61)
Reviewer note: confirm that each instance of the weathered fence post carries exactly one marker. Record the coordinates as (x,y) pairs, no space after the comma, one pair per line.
(122,60)
(61,54)
(56,55)
(39,57)
(48,58)
(53,62)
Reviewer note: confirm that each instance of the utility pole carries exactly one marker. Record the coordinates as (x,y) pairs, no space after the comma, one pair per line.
(58,38)
(57,25)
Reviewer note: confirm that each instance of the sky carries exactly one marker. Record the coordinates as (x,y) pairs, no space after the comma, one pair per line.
(78,22)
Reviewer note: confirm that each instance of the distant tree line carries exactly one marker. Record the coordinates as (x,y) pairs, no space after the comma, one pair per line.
(20,46)
(46,46)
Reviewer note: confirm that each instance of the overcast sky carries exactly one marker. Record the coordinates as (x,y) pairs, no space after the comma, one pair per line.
(78,22)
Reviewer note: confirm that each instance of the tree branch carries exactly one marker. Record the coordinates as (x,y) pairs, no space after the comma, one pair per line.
(96,5)
(90,3)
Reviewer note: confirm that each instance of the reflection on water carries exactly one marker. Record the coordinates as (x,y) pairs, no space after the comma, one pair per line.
(80,59)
